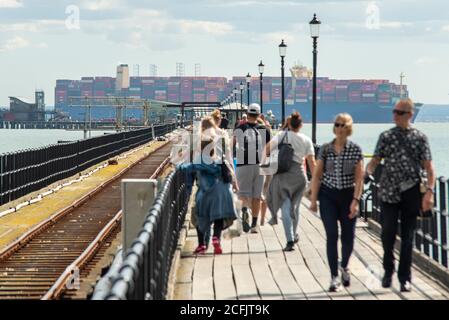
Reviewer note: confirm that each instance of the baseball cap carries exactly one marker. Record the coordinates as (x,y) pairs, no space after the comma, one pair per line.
(253,108)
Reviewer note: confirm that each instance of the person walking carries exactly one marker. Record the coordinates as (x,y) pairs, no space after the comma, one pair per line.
(286,189)
(337,183)
(214,201)
(250,138)
(224,122)
(267,180)
(406,154)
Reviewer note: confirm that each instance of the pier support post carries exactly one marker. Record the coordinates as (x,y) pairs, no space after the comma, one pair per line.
(137,198)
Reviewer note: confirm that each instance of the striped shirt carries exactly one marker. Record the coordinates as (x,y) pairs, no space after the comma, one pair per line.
(339,168)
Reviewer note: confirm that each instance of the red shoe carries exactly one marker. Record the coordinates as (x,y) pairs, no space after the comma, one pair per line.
(217,246)
(201,249)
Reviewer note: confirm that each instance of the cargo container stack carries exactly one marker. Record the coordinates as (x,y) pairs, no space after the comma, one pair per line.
(160,90)
(355,92)
(104,86)
(341,93)
(186,89)
(384,93)
(87,87)
(369,92)
(276,87)
(135,87)
(199,89)
(61,93)
(328,91)
(147,87)
(302,90)
(174,89)
(212,87)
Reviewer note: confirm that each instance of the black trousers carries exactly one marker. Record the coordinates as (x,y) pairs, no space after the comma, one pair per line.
(335,207)
(407,211)
(203,238)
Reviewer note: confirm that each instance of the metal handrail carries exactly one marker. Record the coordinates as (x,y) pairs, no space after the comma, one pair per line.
(431,236)
(145,270)
(30,170)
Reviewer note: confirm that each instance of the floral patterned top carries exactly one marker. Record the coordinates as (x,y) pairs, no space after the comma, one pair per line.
(400,172)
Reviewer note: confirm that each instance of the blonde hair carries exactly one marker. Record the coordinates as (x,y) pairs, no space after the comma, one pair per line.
(347,120)
(208,123)
(216,116)
(408,103)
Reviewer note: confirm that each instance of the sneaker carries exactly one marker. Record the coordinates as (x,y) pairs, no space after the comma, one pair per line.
(406,286)
(201,249)
(290,246)
(345,277)
(335,285)
(245,219)
(296,238)
(217,246)
(386,281)
(253,230)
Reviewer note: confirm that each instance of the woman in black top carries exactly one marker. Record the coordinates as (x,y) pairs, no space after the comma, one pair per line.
(337,183)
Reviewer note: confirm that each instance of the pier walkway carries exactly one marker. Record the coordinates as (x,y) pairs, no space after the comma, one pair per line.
(253,266)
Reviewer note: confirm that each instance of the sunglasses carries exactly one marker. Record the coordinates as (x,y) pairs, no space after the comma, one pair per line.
(400,112)
(339,125)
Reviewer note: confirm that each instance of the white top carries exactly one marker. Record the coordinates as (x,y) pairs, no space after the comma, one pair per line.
(302,144)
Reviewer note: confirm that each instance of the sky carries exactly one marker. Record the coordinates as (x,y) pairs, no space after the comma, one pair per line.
(45,40)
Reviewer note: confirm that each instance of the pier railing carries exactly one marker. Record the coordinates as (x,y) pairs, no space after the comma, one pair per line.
(145,270)
(30,170)
(432,235)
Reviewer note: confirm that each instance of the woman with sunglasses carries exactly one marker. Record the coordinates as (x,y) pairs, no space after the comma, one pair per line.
(337,183)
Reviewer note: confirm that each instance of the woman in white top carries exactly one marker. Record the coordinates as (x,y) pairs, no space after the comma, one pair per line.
(286,189)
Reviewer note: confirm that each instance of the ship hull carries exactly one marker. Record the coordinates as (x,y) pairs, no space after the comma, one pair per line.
(326,112)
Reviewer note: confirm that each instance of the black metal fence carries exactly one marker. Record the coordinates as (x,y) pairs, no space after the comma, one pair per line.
(145,270)
(29,170)
(432,235)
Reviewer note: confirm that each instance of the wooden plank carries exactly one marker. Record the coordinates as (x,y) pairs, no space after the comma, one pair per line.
(203,287)
(240,251)
(244,281)
(263,278)
(223,278)
(279,268)
(308,284)
(357,289)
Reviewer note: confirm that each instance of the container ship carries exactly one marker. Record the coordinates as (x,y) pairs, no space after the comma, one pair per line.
(368,101)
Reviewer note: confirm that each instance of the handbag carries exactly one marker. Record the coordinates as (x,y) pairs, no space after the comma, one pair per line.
(226,175)
(422,182)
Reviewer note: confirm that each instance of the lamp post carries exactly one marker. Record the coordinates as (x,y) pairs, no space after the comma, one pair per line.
(235,91)
(261,69)
(282,53)
(314,33)
(248,82)
(242,86)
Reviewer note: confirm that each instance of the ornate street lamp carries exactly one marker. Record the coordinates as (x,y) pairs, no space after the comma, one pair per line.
(242,86)
(248,83)
(282,54)
(235,91)
(314,33)
(261,69)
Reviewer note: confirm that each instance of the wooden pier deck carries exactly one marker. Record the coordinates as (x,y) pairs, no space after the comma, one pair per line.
(253,266)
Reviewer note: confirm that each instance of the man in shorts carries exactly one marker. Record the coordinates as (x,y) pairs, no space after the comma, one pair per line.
(250,139)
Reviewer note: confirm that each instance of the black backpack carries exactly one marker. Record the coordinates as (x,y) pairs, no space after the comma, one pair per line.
(285,155)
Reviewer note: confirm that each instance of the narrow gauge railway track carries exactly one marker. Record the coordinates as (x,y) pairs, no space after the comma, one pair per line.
(40,263)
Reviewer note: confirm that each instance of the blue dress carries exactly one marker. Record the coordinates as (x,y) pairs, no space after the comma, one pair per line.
(214,197)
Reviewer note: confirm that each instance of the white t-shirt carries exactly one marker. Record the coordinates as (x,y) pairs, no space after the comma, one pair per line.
(302,144)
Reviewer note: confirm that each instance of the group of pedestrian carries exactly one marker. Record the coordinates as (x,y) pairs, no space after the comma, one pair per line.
(336,184)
